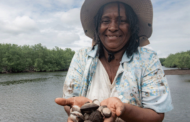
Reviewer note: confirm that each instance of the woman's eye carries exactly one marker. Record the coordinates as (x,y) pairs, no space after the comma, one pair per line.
(124,21)
(105,21)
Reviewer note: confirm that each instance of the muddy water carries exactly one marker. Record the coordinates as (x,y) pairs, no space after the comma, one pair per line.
(29,97)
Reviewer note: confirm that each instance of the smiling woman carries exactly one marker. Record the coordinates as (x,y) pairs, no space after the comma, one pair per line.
(116,25)
(117,70)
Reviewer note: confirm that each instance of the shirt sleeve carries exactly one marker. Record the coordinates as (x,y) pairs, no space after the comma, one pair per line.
(155,89)
(73,79)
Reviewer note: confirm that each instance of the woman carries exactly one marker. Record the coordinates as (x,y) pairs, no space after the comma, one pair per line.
(118,71)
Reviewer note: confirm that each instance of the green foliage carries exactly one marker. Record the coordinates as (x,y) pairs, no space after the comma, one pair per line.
(16,58)
(180,60)
(162,60)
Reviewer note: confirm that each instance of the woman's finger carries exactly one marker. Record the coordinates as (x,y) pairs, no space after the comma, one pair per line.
(64,102)
(69,119)
(119,110)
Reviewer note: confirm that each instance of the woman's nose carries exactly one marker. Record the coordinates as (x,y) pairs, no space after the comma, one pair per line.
(113,26)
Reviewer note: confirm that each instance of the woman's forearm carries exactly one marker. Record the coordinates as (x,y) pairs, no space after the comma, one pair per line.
(136,114)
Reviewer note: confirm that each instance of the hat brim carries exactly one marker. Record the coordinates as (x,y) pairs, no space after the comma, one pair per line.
(142,8)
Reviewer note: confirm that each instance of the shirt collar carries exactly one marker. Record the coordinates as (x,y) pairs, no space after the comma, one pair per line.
(92,53)
(125,58)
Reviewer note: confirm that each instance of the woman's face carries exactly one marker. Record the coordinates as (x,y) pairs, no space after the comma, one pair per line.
(112,36)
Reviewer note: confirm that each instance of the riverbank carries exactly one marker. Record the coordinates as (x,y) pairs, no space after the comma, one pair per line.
(177,72)
(33,71)
(167,72)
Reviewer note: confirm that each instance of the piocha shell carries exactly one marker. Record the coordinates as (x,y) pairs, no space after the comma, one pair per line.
(96,101)
(87,121)
(96,116)
(88,108)
(86,116)
(101,107)
(76,116)
(73,118)
(75,108)
(106,112)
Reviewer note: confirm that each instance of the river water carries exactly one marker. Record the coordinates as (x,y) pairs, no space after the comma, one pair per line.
(29,97)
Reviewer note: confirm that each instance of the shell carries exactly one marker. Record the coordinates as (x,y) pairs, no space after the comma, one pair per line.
(104,106)
(87,121)
(106,112)
(73,118)
(88,108)
(100,108)
(75,108)
(96,116)
(96,101)
(87,102)
(86,116)
(76,116)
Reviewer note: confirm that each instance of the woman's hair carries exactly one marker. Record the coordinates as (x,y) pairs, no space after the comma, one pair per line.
(133,43)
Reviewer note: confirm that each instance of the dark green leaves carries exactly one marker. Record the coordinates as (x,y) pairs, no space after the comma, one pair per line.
(25,58)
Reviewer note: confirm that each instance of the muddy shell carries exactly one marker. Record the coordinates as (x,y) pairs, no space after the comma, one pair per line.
(88,108)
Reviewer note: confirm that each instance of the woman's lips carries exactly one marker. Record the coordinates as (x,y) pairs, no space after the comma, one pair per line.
(111,37)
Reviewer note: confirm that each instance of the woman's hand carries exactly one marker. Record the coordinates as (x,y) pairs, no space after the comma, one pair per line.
(79,101)
(115,105)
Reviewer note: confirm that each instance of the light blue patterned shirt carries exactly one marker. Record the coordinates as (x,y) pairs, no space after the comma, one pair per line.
(140,79)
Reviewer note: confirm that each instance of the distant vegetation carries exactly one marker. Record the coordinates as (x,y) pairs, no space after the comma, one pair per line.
(179,60)
(14,58)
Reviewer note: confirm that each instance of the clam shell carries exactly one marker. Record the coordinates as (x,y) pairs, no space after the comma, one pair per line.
(87,102)
(86,116)
(75,108)
(101,107)
(76,116)
(96,116)
(106,112)
(88,108)
(73,118)
(96,101)
(87,121)
(104,106)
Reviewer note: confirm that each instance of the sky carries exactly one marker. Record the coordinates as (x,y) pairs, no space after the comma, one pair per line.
(57,23)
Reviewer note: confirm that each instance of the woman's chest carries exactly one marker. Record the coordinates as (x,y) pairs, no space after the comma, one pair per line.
(126,85)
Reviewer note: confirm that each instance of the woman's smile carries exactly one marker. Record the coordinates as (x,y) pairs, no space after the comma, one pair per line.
(114,29)
(113,37)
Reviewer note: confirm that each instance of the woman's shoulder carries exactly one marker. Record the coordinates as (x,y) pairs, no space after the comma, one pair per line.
(147,53)
(146,50)
(84,51)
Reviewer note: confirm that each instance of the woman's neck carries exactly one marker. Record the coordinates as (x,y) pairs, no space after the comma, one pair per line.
(118,56)
(112,66)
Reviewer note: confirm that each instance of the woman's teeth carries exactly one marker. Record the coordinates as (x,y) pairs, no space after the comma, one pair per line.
(112,36)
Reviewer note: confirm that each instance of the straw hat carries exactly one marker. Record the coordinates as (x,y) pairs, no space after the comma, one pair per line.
(142,8)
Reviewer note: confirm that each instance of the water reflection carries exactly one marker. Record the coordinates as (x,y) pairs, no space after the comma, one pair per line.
(27,80)
(180,89)
(31,101)
(23,81)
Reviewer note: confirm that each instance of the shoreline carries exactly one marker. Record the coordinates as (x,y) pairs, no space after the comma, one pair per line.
(167,72)
(177,72)
(32,71)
